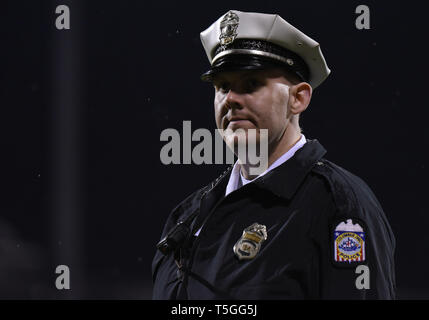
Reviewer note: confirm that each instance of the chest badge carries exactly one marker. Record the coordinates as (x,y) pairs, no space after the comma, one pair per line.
(349,242)
(248,246)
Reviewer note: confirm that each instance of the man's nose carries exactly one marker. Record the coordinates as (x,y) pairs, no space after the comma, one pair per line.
(233,100)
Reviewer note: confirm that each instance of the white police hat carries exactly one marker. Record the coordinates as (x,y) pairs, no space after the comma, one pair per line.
(247,40)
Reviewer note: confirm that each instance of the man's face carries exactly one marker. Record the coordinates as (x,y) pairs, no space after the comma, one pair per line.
(256,99)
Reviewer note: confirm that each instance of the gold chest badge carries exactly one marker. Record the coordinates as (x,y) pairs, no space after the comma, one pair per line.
(248,246)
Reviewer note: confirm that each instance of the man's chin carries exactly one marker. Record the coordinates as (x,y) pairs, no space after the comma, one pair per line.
(240,125)
(240,138)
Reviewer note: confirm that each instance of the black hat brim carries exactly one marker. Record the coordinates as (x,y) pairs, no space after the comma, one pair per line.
(240,62)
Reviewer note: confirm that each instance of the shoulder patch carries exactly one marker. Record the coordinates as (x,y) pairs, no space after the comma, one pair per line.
(348,243)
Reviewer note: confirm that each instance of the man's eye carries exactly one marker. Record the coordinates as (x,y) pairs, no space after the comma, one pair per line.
(224,87)
(253,83)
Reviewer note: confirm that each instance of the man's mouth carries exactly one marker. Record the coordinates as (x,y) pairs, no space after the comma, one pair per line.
(238,122)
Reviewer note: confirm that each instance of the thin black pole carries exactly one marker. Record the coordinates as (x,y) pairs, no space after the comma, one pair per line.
(67,148)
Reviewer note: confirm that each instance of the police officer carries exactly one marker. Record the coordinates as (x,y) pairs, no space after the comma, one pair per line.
(304,228)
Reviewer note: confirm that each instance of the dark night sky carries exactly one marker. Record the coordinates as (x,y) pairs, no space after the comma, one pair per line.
(139,65)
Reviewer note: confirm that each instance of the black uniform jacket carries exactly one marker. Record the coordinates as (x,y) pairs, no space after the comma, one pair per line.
(301,202)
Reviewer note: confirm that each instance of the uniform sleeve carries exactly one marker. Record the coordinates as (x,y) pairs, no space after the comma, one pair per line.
(355,245)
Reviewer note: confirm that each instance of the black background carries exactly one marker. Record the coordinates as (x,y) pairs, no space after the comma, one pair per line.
(125,71)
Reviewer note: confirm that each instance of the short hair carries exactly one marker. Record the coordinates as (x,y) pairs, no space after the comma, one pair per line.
(291,76)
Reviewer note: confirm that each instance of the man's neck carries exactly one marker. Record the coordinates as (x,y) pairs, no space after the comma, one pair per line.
(290,137)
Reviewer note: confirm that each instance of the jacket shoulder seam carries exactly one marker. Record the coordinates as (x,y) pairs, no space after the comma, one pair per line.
(332,174)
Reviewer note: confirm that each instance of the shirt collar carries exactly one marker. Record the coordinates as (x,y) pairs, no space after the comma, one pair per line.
(236,180)
(284,179)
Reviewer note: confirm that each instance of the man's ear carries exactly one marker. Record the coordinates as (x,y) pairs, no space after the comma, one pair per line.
(299,97)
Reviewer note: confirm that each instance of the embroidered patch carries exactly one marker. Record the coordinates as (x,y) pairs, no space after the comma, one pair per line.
(349,242)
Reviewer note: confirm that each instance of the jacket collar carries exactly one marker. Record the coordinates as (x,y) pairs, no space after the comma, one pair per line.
(284,180)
